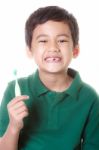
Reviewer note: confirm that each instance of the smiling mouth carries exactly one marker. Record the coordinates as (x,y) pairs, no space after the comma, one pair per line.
(52,59)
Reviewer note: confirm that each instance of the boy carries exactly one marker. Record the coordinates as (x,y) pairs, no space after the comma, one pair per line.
(56,109)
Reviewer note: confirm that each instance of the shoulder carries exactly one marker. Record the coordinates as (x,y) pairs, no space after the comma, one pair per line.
(84,90)
(88,89)
(89,93)
(21,80)
(24,83)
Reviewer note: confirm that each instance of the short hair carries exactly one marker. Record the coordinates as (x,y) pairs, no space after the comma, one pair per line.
(54,13)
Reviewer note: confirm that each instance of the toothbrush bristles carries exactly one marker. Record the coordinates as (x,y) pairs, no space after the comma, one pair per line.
(15,72)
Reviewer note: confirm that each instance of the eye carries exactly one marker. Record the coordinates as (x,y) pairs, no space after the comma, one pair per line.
(62,41)
(42,41)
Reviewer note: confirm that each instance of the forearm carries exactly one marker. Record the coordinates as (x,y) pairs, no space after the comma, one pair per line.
(10,140)
(17,111)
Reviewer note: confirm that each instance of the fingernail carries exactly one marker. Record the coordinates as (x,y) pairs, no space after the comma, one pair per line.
(27,97)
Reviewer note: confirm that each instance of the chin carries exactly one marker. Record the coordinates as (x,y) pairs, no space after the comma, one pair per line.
(54,71)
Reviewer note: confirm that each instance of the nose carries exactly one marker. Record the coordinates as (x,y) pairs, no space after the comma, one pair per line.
(53,46)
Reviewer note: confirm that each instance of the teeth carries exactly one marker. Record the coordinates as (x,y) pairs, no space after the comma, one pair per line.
(53,59)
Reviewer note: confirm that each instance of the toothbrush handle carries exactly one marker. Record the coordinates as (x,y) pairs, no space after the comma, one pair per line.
(17,89)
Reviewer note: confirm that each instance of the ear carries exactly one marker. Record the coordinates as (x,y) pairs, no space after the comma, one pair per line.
(76,51)
(29,52)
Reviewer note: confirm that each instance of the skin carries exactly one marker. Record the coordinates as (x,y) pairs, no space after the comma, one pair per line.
(52,49)
(17,110)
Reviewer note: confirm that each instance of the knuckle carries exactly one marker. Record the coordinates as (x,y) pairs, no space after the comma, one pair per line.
(8,105)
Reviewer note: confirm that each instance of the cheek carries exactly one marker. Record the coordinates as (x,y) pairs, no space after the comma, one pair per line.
(68,55)
(67,52)
(37,55)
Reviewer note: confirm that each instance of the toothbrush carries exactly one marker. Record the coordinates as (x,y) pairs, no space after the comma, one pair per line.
(17,87)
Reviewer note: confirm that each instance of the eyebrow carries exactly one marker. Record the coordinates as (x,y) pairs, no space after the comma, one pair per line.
(41,35)
(64,34)
(59,35)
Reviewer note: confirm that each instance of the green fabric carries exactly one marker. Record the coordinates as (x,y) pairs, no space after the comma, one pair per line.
(57,120)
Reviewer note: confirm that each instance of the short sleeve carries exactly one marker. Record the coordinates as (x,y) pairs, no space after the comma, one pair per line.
(4,118)
(91,134)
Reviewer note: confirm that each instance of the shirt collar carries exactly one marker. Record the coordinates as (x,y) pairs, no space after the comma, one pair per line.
(76,83)
(40,88)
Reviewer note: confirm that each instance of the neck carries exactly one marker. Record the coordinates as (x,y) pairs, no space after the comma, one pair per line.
(55,82)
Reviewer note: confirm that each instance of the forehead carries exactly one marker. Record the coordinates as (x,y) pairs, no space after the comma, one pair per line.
(52,28)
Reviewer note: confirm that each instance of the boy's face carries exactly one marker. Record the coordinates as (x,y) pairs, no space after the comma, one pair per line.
(52,47)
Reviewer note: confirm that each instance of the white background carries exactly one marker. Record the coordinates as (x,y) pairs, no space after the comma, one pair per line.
(13,14)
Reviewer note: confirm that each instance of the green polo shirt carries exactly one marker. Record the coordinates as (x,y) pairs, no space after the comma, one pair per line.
(57,120)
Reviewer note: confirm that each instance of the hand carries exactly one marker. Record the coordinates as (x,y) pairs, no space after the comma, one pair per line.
(17,111)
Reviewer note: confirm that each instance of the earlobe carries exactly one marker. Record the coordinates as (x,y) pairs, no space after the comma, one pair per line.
(76,51)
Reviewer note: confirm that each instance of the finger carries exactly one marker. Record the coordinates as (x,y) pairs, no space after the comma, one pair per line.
(17,99)
(22,115)
(18,105)
(22,109)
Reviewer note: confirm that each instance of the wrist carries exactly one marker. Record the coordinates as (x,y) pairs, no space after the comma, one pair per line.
(13,130)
